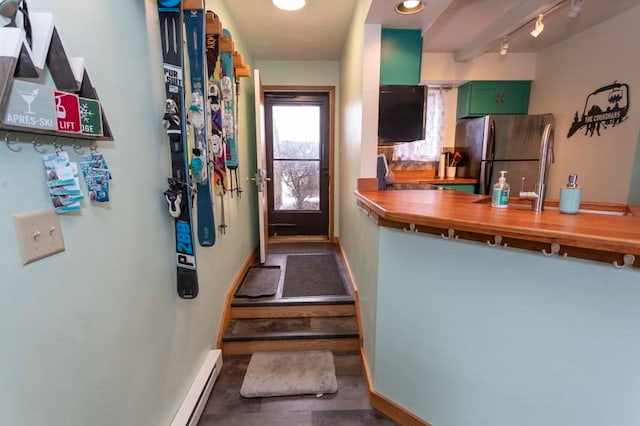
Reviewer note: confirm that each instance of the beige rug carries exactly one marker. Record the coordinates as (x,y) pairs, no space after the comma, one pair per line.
(289,373)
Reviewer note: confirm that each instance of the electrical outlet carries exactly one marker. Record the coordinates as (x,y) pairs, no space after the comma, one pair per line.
(39,234)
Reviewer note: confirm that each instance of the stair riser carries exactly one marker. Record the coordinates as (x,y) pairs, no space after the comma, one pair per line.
(248,348)
(294,311)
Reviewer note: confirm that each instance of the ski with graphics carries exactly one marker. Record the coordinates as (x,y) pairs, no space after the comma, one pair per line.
(178,195)
(228,117)
(194,18)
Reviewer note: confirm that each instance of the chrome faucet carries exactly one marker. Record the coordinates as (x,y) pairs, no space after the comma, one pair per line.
(546,155)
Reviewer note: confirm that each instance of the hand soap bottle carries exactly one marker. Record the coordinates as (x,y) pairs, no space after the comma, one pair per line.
(500,194)
(570,196)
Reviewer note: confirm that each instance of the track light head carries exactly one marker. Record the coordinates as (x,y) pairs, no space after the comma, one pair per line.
(539,27)
(504,48)
(575,8)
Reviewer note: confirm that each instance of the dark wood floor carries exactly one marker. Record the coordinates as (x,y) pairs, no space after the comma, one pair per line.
(348,407)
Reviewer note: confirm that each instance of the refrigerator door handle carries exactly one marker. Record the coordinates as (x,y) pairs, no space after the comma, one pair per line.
(488,171)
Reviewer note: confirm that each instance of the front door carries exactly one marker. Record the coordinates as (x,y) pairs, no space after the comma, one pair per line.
(297,134)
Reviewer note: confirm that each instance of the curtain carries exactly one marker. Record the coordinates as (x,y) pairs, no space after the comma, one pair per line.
(430,148)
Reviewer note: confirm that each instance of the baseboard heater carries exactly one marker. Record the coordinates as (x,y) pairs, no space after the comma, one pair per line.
(193,404)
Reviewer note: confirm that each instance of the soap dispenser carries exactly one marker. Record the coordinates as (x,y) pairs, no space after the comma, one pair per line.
(500,194)
(570,196)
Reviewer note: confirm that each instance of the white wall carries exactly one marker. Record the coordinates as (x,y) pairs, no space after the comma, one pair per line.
(566,74)
(97,334)
(440,68)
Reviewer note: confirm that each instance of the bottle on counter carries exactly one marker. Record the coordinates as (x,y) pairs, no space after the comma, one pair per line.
(570,196)
(500,194)
(442,165)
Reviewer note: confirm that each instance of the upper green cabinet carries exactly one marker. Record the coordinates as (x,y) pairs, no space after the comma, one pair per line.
(400,56)
(478,98)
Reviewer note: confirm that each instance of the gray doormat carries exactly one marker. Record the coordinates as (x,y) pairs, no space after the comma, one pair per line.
(312,275)
(289,373)
(260,281)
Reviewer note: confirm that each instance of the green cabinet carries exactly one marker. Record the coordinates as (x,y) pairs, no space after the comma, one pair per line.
(400,57)
(479,98)
(471,189)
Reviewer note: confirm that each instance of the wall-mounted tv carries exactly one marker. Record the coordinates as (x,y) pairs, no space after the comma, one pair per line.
(401,113)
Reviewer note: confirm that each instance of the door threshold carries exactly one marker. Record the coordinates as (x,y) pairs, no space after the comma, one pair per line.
(298,238)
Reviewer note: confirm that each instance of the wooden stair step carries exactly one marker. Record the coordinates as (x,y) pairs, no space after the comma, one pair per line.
(293,311)
(245,336)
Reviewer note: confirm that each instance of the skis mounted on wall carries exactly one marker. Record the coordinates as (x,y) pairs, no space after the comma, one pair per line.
(179,193)
(194,19)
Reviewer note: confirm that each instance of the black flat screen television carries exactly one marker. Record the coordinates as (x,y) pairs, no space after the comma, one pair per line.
(401,113)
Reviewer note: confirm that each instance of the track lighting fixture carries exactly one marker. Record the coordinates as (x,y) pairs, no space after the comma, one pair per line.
(539,27)
(575,8)
(409,7)
(504,48)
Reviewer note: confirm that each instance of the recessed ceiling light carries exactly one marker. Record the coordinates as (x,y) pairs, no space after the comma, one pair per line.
(289,4)
(409,7)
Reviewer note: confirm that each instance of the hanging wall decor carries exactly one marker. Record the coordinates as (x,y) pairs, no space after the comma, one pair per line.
(604,107)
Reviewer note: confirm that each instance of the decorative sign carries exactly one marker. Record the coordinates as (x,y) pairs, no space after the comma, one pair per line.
(68,112)
(90,117)
(30,105)
(606,106)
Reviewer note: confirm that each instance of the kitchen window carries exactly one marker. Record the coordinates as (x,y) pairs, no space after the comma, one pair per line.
(430,148)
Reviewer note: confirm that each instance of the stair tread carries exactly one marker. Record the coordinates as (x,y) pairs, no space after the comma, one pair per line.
(294,301)
(289,328)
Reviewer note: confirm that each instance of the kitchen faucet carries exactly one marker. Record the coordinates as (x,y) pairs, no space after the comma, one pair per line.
(546,154)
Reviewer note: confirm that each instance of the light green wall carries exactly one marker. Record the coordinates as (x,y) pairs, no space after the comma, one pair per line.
(357,234)
(472,335)
(97,335)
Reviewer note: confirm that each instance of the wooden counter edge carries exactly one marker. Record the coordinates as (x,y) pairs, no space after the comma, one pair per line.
(569,245)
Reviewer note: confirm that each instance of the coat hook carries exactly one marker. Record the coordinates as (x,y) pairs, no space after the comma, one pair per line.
(451,234)
(57,147)
(412,228)
(497,241)
(627,261)
(37,145)
(78,149)
(555,251)
(93,147)
(10,144)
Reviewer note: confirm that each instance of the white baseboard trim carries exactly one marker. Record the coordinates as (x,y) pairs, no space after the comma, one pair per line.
(193,404)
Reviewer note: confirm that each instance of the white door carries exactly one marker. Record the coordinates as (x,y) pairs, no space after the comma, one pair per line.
(261,172)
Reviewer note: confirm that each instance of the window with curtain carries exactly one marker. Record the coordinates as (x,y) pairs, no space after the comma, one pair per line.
(430,148)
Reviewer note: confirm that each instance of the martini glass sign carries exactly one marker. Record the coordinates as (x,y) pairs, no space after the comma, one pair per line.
(29,97)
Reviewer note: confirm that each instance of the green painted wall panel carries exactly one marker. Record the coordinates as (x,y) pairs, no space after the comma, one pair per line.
(401,56)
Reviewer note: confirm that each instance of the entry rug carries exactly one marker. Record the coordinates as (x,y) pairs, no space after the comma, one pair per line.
(312,275)
(260,281)
(288,373)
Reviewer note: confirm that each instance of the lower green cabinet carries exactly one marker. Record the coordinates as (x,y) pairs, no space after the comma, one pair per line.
(471,189)
(479,98)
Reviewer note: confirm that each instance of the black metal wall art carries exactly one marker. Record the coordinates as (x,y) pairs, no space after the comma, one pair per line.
(606,106)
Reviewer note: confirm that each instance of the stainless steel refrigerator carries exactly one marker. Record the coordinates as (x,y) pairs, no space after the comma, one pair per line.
(503,142)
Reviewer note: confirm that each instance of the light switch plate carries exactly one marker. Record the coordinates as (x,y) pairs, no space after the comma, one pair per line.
(39,234)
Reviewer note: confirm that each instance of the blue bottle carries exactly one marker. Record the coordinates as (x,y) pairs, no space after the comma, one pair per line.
(570,196)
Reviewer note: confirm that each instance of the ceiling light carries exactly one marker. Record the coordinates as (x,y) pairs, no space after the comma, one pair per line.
(504,48)
(289,4)
(575,8)
(539,26)
(409,7)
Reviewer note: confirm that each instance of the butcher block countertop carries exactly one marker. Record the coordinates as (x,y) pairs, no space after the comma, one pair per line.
(600,231)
